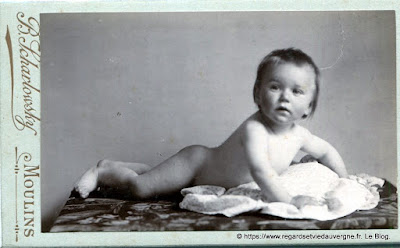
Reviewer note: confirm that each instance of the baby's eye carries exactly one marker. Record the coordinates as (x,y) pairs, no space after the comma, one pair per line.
(274,87)
(298,92)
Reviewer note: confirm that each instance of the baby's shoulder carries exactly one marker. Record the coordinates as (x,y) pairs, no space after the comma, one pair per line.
(252,127)
(253,124)
(301,131)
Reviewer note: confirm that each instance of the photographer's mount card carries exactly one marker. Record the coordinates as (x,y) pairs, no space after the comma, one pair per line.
(84,83)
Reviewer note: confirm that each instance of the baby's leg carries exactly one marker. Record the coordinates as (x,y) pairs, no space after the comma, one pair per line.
(172,175)
(139,168)
(110,173)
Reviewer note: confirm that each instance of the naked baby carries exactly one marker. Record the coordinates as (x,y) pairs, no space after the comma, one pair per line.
(260,149)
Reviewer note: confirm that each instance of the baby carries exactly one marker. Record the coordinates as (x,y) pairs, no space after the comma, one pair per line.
(262,147)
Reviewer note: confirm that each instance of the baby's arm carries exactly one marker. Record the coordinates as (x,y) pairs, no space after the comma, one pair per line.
(255,142)
(325,153)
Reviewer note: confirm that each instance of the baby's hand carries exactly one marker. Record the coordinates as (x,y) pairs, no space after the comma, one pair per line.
(333,203)
(302,200)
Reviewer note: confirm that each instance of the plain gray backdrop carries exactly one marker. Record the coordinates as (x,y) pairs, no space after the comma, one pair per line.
(140,86)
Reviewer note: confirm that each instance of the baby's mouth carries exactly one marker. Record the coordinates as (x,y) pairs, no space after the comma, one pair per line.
(283,109)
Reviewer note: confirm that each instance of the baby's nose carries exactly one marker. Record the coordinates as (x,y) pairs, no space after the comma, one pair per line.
(284,96)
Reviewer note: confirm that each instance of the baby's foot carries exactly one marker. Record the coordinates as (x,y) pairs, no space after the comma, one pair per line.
(88,182)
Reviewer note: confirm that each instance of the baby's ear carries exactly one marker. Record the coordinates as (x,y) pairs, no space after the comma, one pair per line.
(307,112)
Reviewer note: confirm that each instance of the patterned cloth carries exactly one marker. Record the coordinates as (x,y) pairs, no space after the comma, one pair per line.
(106,214)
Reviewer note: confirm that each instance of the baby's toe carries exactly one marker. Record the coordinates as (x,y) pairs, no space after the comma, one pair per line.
(84,194)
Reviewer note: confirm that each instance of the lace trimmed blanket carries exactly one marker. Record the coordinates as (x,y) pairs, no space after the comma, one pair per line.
(358,192)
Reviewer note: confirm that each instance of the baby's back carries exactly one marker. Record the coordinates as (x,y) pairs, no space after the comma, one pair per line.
(228,165)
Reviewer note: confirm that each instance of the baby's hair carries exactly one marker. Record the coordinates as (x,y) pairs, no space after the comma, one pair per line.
(289,55)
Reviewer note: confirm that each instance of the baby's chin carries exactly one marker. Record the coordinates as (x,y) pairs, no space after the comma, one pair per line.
(287,118)
(283,120)
(278,120)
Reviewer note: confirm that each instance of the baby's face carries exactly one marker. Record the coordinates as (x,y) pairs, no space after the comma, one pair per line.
(286,93)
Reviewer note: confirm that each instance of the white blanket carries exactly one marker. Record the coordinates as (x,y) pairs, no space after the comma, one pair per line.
(359,192)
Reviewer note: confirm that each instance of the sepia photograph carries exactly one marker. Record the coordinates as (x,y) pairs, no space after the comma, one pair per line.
(218,121)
